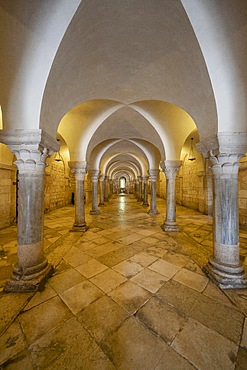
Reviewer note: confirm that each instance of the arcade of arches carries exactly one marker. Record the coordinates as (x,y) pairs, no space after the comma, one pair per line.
(141,100)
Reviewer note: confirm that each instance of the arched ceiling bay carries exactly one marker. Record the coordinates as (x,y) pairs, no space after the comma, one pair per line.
(130,51)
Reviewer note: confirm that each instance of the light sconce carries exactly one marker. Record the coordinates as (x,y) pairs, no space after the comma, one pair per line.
(191,153)
(58,157)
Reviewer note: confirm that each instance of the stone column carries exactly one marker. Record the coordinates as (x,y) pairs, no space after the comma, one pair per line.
(225,267)
(79,169)
(171,169)
(145,192)
(102,191)
(94,176)
(31,148)
(153,178)
(106,189)
(139,196)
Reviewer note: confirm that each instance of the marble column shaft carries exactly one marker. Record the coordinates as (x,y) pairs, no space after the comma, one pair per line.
(145,192)
(153,178)
(102,191)
(79,170)
(139,197)
(106,189)
(171,169)
(94,176)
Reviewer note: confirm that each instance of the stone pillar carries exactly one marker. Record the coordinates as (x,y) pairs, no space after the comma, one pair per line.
(171,169)
(79,169)
(139,196)
(94,176)
(106,189)
(31,148)
(102,191)
(145,192)
(224,267)
(153,178)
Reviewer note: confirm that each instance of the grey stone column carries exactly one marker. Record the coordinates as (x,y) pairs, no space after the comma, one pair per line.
(31,148)
(171,169)
(94,176)
(79,169)
(102,191)
(225,267)
(106,189)
(145,192)
(153,178)
(139,196)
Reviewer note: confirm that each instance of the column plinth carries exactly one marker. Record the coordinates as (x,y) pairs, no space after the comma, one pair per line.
(171,169)
(79,169)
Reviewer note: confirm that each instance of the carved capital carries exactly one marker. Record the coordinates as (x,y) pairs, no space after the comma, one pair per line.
(153,174)
(94,175)
(170,168)
(226,165)
(78,168)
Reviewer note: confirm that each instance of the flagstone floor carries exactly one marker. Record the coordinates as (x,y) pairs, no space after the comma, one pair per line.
(125,295)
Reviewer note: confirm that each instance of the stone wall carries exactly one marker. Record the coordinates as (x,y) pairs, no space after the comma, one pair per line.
(58,192)
(7,195)
(243,193)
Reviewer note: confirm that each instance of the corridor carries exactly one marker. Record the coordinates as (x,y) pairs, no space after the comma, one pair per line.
(124,295)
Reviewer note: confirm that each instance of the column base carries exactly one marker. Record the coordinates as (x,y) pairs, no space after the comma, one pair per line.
(225,276)
(153,212)
(145,205)
(170,226)
(79,228)
(31,279)
(96,212)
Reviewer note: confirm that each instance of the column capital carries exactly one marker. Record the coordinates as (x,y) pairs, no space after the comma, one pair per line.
(224,164)
(224,143)
(145,179)
(170,168)
(94,174)
(153,174)
(78,168)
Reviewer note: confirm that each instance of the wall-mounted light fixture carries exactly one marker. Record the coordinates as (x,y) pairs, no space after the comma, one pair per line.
(58,157)
(191,153)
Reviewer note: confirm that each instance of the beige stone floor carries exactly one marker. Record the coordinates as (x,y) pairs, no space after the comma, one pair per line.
(125,295)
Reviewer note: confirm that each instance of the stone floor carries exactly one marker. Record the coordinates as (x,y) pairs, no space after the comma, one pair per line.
(125,295)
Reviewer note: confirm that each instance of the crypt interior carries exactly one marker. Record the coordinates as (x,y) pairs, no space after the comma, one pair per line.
(123,184)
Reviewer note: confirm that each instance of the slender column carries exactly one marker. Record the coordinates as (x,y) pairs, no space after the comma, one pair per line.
(106,189)
(30,148)
(102,191)
(153,178)
(145,192)
(224,267)
(79,169)
(171,169)
(94,176)
(224,151)
(139,196)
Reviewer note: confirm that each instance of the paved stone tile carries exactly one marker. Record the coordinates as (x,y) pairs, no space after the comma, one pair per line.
(97,360)
(156,251)
(22,361)
(129,239)
(117,256)
(164,268)
(214,292)
(108,280)
(176,259)
(80,296)
(43,318)
(11,342)
(91,268)
(10,306)
(242,359)
(205,348)
(143,258)
(128,268)
(173,361)
(102,317)
(244,335)
(142,350)
(149,280)
(221,318)
(76,258)
(162,318)
(104,249)
(130,296)
(65,280)
(66,347)
(41,297)
(191,279)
